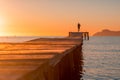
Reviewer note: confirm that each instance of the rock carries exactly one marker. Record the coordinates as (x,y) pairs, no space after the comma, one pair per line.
(107,32)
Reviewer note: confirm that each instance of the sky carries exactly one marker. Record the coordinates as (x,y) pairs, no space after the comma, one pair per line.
(57,17)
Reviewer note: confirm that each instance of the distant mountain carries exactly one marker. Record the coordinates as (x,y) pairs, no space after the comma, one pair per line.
(107,32)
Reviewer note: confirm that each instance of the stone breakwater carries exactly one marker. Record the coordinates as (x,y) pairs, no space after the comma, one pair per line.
(41,59)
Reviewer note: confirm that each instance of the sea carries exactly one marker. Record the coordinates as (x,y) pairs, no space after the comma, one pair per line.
(19,39)
(101,56)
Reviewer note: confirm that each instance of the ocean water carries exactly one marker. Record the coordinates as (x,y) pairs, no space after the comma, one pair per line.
(19,39)
(16,39)
(101,58)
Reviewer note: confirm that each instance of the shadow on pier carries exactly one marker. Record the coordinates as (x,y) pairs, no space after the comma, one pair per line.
(78,73)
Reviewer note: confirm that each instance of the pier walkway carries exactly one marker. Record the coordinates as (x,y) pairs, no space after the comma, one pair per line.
(40,59)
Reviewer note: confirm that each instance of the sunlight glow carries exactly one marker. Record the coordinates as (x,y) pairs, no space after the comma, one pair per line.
(2,22)
(2,26)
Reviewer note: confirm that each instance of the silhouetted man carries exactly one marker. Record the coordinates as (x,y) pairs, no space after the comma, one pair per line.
(79,27)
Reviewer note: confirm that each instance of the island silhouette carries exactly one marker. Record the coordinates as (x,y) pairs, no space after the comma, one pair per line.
(107,32)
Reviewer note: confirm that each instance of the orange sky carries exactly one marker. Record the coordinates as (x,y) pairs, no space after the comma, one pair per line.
(57,17)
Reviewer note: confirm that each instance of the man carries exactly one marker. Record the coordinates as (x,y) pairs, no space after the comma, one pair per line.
(79,27)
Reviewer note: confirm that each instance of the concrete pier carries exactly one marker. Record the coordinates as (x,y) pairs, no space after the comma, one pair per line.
(84,35)
(41,59)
